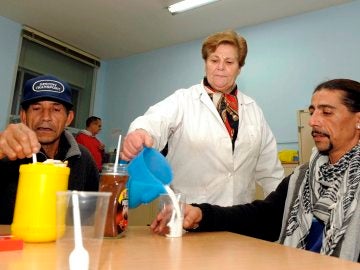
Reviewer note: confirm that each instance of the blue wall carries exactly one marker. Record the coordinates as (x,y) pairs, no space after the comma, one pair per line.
(9,49)
(287,59)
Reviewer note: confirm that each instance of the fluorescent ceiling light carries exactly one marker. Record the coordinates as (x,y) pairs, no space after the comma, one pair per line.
(188,4)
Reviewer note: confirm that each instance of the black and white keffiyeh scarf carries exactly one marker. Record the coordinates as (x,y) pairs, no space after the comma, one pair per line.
(330,193)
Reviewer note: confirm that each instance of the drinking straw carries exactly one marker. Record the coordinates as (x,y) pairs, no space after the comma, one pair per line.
(34,158)
(117,154)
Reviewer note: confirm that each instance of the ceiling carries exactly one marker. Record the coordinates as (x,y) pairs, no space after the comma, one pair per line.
(118,28)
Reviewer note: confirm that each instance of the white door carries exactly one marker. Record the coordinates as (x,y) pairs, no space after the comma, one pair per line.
(306,142)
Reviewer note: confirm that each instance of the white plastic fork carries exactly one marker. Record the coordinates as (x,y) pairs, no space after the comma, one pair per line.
(79,256)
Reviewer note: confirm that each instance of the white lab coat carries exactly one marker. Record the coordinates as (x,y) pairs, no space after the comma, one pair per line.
(200,149)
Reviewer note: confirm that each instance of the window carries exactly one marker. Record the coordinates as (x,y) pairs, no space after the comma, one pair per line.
(40,55)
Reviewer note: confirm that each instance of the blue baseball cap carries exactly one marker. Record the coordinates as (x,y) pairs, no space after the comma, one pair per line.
(47,87)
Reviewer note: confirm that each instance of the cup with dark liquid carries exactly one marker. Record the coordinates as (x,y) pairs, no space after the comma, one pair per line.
(113,179)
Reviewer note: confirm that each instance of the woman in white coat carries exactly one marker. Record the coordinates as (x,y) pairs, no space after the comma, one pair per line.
(219,143)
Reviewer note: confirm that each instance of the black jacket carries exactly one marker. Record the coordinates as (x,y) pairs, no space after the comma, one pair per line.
(84,174)
(261,218)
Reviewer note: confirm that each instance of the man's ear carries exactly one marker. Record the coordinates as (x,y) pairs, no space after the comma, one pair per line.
(70,118)
(23,116)
(358,120)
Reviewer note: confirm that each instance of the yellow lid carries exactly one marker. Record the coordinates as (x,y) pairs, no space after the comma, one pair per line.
(44,168)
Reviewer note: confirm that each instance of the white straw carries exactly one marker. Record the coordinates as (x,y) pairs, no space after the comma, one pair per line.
(34,158)
(117,154)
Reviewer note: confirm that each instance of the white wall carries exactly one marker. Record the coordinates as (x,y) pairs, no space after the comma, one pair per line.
(287,59)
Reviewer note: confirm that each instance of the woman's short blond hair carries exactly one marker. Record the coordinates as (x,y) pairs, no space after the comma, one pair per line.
(213,41)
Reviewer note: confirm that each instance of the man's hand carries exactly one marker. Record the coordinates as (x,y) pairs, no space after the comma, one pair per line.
(18,141)
(134,143)
(192,218)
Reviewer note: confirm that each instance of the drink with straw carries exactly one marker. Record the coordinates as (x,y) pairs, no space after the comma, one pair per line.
(113,178)
(114,181)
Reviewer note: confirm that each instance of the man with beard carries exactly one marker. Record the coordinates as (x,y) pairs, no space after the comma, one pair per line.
(316,208)
(46,112)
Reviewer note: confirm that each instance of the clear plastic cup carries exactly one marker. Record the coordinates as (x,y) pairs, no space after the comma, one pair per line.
(93,208)
(169,209)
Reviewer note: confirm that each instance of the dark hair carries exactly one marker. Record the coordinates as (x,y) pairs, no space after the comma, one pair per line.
(351,89)
(91,119)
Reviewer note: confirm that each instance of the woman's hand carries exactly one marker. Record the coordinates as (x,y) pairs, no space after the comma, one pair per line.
(134,143)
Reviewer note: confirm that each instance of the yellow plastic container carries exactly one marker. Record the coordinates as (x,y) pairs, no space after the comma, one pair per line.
(35,208)
(288,155)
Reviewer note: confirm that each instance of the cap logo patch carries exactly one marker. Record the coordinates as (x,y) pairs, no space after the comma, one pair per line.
(48,86)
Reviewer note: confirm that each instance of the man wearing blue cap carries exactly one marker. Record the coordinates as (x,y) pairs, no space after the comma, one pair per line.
(46,112)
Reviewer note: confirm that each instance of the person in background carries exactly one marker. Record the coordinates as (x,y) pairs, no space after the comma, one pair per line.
(87,137)
(46,112)
(316,208)
(219,143)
